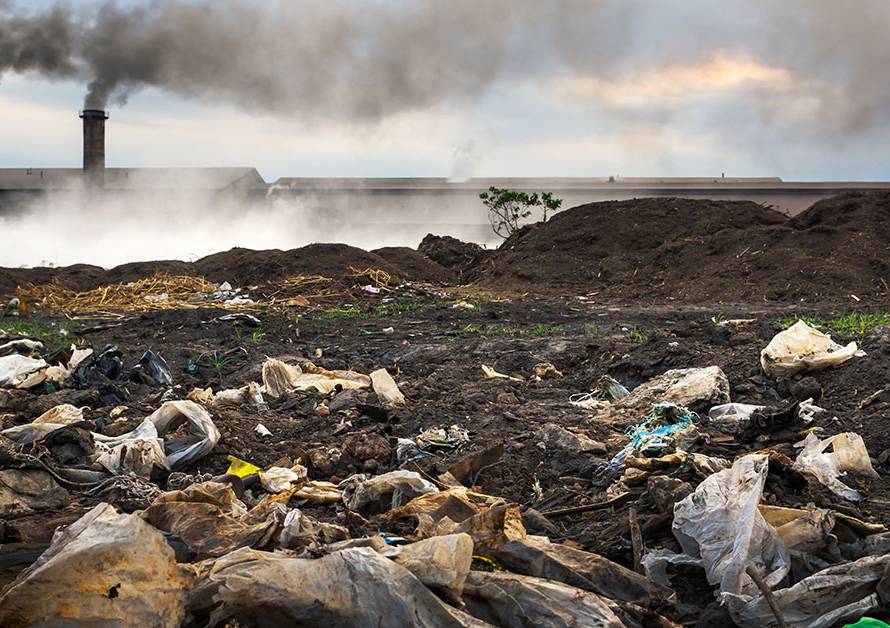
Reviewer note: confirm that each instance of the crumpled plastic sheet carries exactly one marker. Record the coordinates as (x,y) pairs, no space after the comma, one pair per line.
(731,417)
(721,524)
(15,369)
(383,492)
(387,390)
(351,588)
(849,455)
(515,601)
(280,378)
(105,569)
(803,348)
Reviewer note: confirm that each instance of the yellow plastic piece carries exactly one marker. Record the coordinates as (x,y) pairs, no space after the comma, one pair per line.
(241,468)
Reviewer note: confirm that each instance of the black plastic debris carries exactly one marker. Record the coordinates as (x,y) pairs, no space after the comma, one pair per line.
(152,370)
(98,369)
(247,319)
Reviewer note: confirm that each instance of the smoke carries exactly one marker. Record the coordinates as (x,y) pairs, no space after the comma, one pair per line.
(361,61)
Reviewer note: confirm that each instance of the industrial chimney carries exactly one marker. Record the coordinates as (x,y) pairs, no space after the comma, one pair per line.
(94,146)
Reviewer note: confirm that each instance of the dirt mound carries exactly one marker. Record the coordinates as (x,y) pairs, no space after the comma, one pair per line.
(76,277)
(460,257)
(702,250)
(415,265)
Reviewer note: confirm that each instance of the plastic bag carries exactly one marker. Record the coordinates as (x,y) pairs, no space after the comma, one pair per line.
(152,370)
(721,524)
(105,569)
(279,479)
(441,562)
(280,378)
(731,417)
(387,390)
(849,455)
(803,348)
(15,368)
(383,492)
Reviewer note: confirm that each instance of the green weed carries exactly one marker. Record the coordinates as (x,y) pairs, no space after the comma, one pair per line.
(635,335)
(850,324)
(46,332)
(591,329)
(257,336)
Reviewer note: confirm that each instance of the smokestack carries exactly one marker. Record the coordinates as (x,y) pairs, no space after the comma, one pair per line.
(94,146)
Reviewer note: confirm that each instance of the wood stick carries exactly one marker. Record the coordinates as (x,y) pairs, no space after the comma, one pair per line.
(636,538)
(587,507)
(767,594)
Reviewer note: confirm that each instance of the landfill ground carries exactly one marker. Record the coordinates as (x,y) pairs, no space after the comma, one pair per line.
(434,340)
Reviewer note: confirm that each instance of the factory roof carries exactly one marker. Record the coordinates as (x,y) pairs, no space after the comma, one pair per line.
(45,179)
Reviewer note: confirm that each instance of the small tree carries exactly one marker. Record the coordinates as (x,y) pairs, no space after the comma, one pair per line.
(507,208)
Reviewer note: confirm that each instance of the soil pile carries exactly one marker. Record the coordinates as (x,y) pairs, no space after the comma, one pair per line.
(461,257)
(413,264)
(702,250)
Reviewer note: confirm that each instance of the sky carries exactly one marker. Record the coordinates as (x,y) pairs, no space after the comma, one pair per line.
(487,88)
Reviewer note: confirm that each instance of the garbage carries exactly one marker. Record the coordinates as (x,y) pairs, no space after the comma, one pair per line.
(514,601)
(15,369)
(720,523)
(152,370)
(23,346)
(240,317)
(697,389)
(383,492)
(545,370)
(848,455)
(442,562)
(252,393)
(443,438)
(280,378)
(463,305)
(371,289)
(104,569)
(238,300)
(26,491)
(270,589)
(803,348)
(280,479)
(262,430)
(211,521)
(98,369)
(731,417)
(387,390)
(538,557)
(490,373)
(241,468)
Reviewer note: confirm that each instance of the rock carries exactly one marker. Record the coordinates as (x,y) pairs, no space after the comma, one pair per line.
(807,388)
(555,437)
(665,492)
(324,460)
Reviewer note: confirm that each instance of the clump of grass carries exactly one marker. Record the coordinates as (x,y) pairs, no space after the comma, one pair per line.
(513,332)
(635,335)
(46,332)
(591,329)
(257,336)
(381,311)
(850,324)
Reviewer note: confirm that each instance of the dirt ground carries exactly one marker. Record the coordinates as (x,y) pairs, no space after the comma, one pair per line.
(569,297)
(435,353)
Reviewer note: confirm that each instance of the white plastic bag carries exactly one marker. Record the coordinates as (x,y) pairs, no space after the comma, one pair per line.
(803,348)
(849,455)
(387,390)
(15,369)
(721,524)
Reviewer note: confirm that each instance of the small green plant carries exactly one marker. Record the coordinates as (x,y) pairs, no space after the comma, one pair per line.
(545,330)
(257,336)
(507,208)
(46,332)
(591,329)
(635,335)
(512,332)
(850,324)
(718,319)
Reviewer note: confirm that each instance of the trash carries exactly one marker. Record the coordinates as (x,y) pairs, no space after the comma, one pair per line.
(441,562)
(721,525)
(731,418)
(609,387)
(371,289)
(152,370)
(26,491)
(104,569)
(280,378)
(211,521)
(553,436)
(408,451)
(240,301)
(697,389)
(848,455)
(251,393)
(545,370)
(389,330)
(538,557)
(441,438)
(463,305)
(490,373)
(270,589)
(803,348)
(241,468)
(51,420)
(387,390)
(380,493)
(514,601)
(469,468)
(15,369)
(279,479)
(262,430)
(23,346)
(868,622)
(157,298)
(240,317)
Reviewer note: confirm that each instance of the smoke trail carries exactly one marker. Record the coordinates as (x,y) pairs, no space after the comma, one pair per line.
(365,60)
